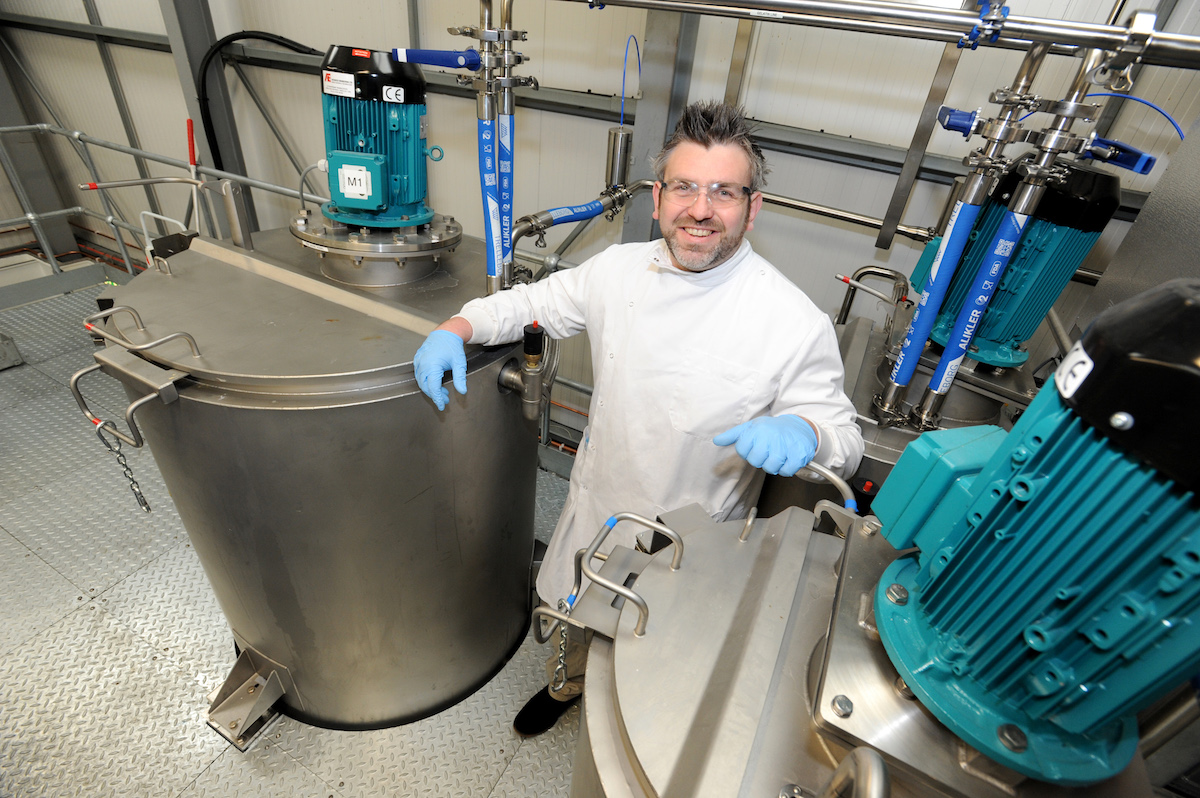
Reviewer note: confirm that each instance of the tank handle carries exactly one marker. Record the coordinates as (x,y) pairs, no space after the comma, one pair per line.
(134,439)
(583,567)
(161,383)
(832,478)
(120,361)
(90,325)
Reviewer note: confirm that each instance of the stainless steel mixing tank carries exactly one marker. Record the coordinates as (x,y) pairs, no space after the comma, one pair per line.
(372,552)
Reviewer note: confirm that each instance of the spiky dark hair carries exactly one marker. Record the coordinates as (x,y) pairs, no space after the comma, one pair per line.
(709,123)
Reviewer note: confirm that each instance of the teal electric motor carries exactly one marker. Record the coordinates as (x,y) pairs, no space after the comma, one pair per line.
(378,229)
(1055,590)
(1065,225)
(374,110)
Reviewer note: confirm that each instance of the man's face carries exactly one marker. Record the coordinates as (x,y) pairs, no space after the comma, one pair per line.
(699,234)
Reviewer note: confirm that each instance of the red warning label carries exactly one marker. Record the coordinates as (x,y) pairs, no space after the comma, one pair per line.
(360,53)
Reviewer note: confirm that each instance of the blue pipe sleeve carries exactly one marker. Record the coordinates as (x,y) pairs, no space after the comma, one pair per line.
(490,191)
(1004,243)
(453,59)
(577,213)
(506,186)
(954,241)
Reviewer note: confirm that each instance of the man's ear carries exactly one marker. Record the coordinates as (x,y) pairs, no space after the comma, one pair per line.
(656,190)
(755,206)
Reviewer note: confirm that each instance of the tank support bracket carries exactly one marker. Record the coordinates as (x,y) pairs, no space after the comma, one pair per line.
(243,706)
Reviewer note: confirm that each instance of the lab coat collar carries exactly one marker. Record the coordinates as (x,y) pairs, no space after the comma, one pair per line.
(661,257)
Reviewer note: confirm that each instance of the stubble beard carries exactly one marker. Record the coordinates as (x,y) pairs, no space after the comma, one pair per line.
(702,261)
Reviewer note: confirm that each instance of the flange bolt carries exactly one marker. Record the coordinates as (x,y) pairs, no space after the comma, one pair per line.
(1013,738)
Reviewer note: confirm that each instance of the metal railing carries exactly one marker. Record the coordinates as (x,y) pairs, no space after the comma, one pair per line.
(83,140)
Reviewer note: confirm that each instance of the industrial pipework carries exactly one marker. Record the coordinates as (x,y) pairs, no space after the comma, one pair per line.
(529,377)
(1051,143)
(494,83)
(1038,172)
(1137,41)
(985,163)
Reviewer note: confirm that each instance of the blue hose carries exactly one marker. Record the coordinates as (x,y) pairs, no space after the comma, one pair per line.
(1120,96)
(506,186)
(577,213)
(1003,245)
(1162,111)
(625,68)
(490,191)
(954,241)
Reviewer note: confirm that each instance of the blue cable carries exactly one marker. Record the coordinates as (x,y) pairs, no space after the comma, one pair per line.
(1170,119)
(625,68)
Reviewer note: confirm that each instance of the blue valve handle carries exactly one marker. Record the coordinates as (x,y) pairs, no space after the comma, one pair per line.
(1123,155)
(454,59)
(971,39)
(958,121)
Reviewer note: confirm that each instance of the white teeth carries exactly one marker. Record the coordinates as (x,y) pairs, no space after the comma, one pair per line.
(697,231)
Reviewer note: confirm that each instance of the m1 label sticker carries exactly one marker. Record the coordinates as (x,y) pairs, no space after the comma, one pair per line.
(393,94)
(1073,371)
(337,83)
(355,182)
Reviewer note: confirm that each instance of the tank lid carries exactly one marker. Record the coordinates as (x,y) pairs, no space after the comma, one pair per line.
(682,694)
(264,324)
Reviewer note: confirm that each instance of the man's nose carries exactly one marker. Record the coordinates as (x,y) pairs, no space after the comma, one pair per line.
(701,206)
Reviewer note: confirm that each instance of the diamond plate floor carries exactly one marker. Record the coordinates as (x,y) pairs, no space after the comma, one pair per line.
(110,636)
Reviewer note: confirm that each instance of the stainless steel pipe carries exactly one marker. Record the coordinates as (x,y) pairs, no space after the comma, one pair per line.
(862,774)
(922,234)
(946,25)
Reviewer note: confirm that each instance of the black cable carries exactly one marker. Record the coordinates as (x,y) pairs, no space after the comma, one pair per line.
(1040,382)
(210,134)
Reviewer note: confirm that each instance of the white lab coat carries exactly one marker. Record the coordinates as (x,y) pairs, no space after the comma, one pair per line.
(678,357)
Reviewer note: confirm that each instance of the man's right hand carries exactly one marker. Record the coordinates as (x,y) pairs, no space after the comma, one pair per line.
(442,351)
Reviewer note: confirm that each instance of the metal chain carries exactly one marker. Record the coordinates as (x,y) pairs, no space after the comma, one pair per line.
(560,670)
(115,448)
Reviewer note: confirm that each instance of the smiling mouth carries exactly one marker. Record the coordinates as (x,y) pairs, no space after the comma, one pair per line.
(698,232)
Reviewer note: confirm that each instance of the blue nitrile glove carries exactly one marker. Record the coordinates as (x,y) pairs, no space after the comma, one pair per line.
(777,444)
(442,351)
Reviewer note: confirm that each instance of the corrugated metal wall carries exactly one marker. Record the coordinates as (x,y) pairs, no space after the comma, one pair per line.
(847,84)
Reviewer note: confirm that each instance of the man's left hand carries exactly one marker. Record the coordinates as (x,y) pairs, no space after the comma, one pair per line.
(777,444)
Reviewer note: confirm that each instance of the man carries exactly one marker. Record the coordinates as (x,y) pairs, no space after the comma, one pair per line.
(697,344)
